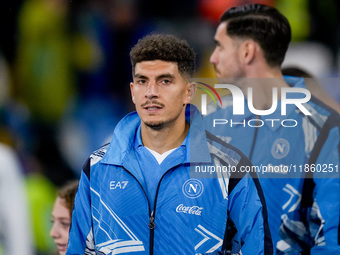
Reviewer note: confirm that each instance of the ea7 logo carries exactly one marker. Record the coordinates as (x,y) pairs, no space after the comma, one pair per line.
(118,185)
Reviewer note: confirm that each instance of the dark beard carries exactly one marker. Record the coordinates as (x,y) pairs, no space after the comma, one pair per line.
(155,125)
(161,124)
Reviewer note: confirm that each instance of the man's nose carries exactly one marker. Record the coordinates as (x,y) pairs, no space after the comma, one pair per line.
(213,58)
(152,90)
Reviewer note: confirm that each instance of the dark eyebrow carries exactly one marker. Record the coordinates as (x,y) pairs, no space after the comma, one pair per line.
(167,75)
(162,76)
(140,76)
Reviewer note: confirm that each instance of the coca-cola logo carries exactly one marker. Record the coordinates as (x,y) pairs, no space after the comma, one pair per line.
(194,210)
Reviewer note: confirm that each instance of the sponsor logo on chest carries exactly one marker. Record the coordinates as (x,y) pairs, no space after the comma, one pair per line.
(194,210)
(118,184)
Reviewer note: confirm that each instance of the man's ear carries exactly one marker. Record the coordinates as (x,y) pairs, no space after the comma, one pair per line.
(248,51)
(193,89)
(132,93)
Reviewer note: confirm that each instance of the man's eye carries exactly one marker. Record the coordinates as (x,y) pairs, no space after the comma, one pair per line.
(141,81)
(166,81)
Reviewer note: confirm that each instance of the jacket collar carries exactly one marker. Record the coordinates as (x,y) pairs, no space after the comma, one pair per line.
(121,149)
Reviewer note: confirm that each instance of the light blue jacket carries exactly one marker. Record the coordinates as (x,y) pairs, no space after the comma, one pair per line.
(112,213)
(303,209)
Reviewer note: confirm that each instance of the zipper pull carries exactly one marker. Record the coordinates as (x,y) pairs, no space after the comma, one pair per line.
(151,224)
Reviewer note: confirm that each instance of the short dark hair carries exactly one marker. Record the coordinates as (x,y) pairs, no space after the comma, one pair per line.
(167,48)
(265,25)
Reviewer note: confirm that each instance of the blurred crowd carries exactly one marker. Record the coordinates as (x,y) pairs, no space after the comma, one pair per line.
(65,74)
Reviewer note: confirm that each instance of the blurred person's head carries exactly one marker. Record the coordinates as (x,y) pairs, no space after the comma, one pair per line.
(248,35)
(62,215)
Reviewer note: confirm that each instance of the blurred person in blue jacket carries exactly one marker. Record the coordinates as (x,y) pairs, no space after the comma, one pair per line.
(137,194)
(313,84)
(291,139)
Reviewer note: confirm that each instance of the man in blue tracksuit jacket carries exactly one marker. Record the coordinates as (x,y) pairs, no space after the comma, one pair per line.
(133,199)
(296,154)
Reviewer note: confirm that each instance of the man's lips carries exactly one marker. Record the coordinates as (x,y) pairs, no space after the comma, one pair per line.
(152,106)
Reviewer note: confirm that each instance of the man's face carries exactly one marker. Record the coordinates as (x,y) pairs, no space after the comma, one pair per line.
(160,93)
(226,56)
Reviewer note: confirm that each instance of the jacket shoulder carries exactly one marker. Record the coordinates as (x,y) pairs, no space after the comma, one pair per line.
(225,151)
(94,158)
(321,113)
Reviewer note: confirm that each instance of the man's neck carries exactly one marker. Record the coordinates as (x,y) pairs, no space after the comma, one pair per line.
(262,88)
(164,139)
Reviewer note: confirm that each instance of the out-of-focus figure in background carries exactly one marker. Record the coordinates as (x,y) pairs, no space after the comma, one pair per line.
(15,229)
(62,214)
(312,85)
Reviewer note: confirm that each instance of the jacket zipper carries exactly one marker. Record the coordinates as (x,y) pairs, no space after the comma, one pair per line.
(152,214)
(152,226)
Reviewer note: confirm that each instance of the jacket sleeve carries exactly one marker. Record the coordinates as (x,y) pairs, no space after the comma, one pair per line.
(325,212)
(248,212)
(81,237)
(247,230)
